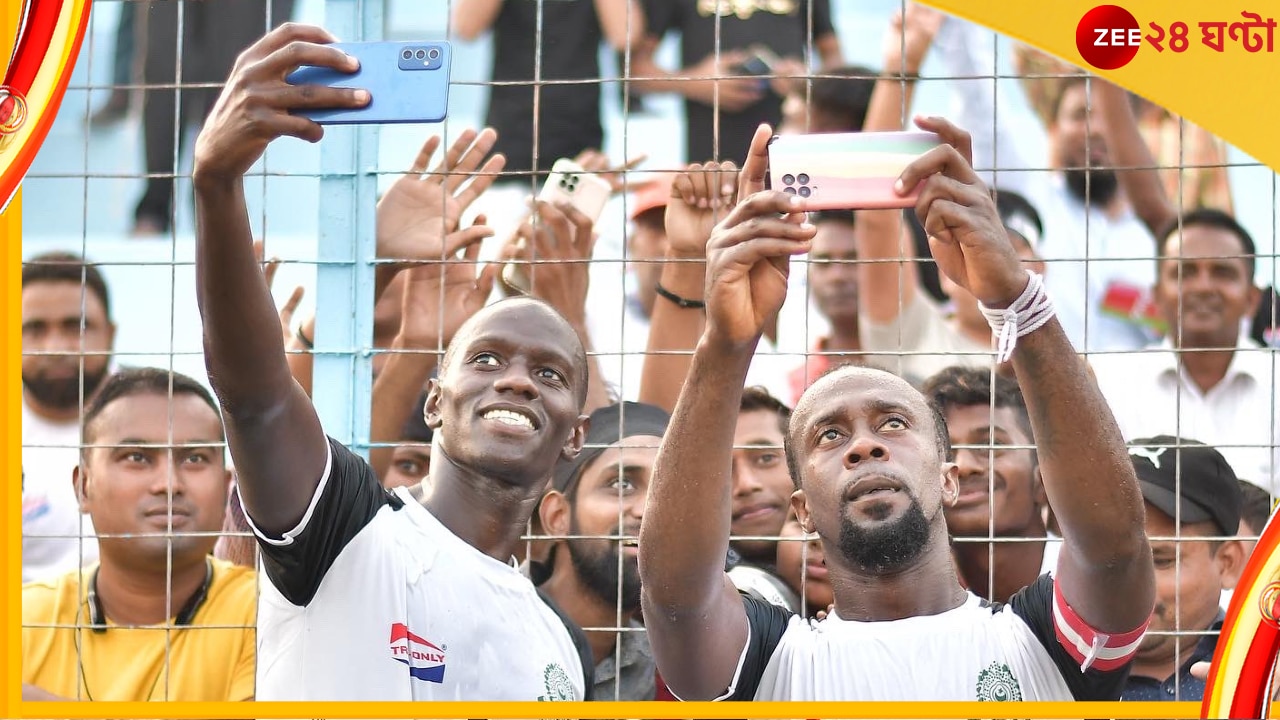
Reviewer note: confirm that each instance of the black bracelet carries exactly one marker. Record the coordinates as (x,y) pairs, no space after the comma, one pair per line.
(682,302)
(297,332)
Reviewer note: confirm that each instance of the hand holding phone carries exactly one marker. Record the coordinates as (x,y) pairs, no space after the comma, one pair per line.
(569,183)
(847,171)
(408,83)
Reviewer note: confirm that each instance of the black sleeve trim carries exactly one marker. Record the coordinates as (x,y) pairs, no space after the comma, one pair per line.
(768,623)
(349,496)
(1034,605)
(580,642)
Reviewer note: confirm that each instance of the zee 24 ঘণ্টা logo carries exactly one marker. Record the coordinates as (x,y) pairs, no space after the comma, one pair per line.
(1109,36)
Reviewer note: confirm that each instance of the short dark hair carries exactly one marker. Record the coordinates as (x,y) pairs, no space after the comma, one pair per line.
(143,381)
(844,217)
(60,266)
(844,93)
(940,435)
(1255,506)
(758,399)
(958,387)
(1217,220)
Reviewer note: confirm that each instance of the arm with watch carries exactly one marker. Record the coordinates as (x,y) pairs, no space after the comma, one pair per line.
(700,197)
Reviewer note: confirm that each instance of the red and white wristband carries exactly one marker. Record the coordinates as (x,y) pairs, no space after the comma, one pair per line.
(1028,313)
(1089,647)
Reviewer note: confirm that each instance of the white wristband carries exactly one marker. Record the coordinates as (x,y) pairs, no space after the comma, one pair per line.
(1028,313)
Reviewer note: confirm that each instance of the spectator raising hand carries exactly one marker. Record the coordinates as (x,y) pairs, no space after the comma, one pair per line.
(554,246)
(422,209)
(439,296)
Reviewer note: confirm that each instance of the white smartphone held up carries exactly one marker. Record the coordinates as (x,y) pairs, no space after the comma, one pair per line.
(568,182)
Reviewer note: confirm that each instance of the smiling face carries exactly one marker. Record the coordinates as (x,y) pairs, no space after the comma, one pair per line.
(150,446)
(507,404)
(608,500)
(762,485)
(1204,288)
(1012,476)
(872,472)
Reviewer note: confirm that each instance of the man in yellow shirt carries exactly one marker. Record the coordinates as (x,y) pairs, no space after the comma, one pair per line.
(157,618)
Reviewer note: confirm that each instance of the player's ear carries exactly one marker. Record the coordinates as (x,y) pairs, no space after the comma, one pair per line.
(431,408)
(577,438)
(800,505)
(553,511)
(79,482)
(950,483)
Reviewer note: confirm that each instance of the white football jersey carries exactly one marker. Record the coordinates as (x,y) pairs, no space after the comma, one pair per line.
(371,598)
(1032,649)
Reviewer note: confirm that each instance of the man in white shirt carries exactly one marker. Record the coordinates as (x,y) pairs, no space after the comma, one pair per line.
(67,329)
(373,594)
(1207,380)
(869,455)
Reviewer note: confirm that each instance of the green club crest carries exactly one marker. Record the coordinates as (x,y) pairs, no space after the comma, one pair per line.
(559,687)
(997,684)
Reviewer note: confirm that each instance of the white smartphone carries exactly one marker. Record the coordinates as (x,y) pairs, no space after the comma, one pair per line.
(568,182)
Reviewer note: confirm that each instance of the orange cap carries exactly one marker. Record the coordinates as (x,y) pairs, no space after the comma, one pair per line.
(651,194)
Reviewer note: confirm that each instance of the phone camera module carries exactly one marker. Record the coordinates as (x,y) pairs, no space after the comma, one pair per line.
(805,192)
(788,179)
(433,54)
(802,178)
(421,54)
(407,54)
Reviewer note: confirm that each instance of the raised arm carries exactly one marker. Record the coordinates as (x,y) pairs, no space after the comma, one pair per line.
(558,241)
(438,298)
(1135,165)
(275,437)
(473,18)
(622,22)
(700,197)
(695,618)
(1105,570)
(884,288)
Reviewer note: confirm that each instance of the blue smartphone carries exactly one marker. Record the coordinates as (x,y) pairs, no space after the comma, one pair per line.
(408,83)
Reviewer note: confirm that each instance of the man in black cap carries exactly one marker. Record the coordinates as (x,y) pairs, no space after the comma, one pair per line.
(594,507)
(1192,568)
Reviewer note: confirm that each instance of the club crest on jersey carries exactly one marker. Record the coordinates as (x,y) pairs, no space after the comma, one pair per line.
(425,660)
(559,686)
(997,684)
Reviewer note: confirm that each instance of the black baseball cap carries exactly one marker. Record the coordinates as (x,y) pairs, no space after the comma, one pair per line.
(1209,489)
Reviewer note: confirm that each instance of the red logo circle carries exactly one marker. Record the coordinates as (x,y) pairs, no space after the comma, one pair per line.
(1108,37)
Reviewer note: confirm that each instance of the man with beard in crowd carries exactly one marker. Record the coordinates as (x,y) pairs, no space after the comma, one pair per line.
(1090,225)
(871,457)
(67,336)
(595,507)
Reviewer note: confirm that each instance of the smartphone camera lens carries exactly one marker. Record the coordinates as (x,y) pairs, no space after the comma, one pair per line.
(804,192)
(421,54)
(407,54)
(788,179)
(434,53)
(803,179)
(789,190)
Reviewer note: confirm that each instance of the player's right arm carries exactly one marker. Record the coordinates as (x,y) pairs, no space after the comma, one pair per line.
(275,437)
(696,620)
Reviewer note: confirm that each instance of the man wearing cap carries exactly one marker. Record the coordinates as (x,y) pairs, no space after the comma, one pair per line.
(1191,572)
(594,507)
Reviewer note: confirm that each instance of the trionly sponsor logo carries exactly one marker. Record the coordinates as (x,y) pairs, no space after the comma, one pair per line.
(425,659)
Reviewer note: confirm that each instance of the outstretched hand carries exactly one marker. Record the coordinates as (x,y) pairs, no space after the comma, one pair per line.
(440,296)
(255,104)
(966,235)
(419,214)
(554,247)
(749,260)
